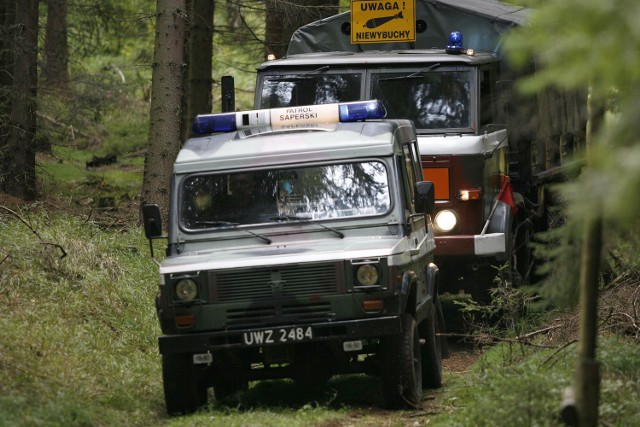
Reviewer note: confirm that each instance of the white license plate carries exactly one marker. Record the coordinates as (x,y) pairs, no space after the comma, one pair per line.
(277,335)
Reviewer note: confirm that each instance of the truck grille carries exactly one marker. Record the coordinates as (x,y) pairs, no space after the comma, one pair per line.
(284,282)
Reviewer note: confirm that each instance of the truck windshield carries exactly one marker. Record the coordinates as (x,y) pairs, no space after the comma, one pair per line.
(286,90)
(283,195)
(433,100)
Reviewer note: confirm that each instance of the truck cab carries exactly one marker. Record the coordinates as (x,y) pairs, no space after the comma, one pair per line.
(464,146)
(488,151)
(300,245)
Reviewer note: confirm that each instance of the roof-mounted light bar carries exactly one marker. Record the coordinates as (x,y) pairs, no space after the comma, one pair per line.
(288,116)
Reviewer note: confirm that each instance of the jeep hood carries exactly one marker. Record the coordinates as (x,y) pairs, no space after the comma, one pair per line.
(308,251)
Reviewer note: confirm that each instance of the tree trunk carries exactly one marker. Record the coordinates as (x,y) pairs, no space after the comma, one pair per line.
(200,60)
(198,57)
(17,150)
(184,98)
(284,17)
(587,376)
(166,91)
(7,20)
(55,70)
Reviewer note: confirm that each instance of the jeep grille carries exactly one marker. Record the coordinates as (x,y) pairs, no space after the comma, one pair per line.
(283,282)
(279,314)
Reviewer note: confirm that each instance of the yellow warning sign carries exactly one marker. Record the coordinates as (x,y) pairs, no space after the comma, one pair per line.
(383,21)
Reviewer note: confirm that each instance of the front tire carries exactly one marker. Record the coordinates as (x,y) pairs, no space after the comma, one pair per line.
(431,351)
(182,393)
(401,366)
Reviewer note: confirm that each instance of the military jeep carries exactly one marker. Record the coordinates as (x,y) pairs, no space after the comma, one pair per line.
(298,249)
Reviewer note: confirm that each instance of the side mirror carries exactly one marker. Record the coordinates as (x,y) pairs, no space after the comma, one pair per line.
(425,198)
(152,221)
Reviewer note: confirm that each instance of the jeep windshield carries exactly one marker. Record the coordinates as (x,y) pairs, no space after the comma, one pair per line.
(338,191)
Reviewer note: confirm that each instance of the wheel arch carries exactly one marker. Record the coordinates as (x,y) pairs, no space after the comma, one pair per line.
(409,292)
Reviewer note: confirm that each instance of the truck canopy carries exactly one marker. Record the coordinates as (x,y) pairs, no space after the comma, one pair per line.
(482,23)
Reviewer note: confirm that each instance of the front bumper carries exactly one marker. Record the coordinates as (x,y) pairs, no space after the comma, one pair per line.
(489,244)
(346,330)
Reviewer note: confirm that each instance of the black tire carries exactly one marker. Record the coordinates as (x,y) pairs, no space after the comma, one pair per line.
(431,351)
(401,366)
(203,394)
(182,394)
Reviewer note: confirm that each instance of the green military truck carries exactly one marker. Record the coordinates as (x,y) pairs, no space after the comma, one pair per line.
(300,246)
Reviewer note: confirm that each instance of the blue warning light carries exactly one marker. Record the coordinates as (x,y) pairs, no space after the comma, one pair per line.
(454,43)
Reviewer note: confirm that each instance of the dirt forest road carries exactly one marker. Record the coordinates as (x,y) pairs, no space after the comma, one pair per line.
(462,356)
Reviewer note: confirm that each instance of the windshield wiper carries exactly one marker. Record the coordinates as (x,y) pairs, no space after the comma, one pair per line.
(234,225)
(305,219)
(414,75)
(303,76)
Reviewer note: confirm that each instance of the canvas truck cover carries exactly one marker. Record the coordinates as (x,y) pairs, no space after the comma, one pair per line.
(482,22)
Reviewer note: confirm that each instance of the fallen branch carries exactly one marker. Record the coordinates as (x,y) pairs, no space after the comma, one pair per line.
(22,220)
(539,331)
(558,350)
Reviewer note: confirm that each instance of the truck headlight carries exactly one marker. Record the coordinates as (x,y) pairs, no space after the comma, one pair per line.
(367,275)
(445,220)
(186,289)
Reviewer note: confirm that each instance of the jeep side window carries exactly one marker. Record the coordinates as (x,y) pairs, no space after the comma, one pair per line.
(408,177)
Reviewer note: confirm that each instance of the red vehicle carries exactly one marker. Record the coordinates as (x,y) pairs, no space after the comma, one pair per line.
(489,151)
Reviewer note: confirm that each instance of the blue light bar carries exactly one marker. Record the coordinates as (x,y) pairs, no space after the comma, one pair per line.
(210,123)
(288,117)
(454,43)
(361,110)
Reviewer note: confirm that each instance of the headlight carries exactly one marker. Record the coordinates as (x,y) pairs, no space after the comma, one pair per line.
(186,289)
(446,220)
(367,275)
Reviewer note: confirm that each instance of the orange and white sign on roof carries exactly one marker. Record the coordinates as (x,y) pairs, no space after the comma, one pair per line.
(383,21)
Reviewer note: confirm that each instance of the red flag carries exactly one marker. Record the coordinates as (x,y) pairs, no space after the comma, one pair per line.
(506,195)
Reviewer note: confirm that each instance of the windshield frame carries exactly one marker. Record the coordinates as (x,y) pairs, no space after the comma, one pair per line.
(283,220)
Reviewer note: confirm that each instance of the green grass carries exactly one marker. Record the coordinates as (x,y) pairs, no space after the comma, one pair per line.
(513,385)
(79,332)
(64,174)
